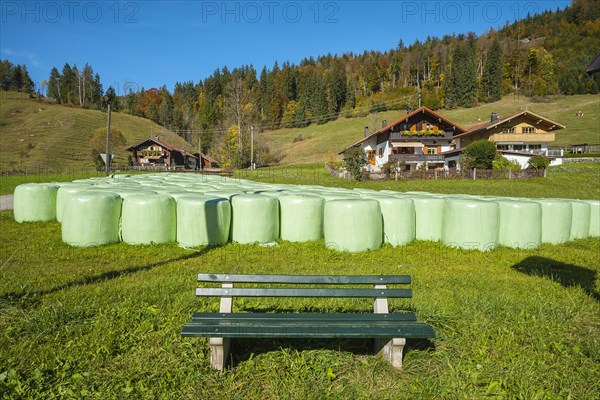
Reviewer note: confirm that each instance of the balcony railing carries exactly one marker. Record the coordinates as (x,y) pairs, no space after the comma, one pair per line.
(417,157)
(522,137)
(405,136)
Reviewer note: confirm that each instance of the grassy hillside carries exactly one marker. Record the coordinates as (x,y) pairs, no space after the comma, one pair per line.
(336,135)
(39,135)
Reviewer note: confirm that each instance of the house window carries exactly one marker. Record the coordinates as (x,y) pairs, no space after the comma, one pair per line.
(381,152)
(370,154)
(528,129)
(518,147)
(508,130)
(504,147)
(432,150)
(429,126)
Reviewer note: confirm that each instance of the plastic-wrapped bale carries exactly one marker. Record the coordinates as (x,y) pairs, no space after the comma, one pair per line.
(594,217)
(471,224)
(353,225)
(149,219)
(337,196)
(520,224)
(179,195)
(34,202)
(272,193)
(203,220)
(255,218)
(580,221)
(429,212)
(301,217)
(557,216)
(64,192)
(228,194)
(398,220)
(91,218)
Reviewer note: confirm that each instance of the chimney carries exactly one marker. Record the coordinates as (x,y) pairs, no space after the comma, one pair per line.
(495,117)
(384,123)
(366,131)
(157,138)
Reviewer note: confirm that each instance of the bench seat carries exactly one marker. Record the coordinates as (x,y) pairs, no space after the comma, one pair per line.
(333,325)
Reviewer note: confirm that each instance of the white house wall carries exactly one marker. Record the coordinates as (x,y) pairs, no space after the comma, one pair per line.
(382,148)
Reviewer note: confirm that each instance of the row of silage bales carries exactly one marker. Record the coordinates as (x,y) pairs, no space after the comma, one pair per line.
(393,211)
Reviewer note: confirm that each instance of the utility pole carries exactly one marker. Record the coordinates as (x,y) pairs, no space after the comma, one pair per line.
(108,142)
(200,151)
(251,146)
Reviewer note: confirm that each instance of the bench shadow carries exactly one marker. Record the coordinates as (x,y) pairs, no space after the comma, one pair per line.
(568,275)
(27,299)
(243,350)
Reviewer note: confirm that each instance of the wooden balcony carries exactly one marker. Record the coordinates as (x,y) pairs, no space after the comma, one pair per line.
(417,157)
(399,136)
(522,137)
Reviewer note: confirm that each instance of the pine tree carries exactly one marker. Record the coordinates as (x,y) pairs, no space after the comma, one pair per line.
(66,85)
(54,84)
(492,74)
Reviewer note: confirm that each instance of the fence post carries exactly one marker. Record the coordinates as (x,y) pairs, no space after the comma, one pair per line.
(474,173)
(509,173)
(545,172)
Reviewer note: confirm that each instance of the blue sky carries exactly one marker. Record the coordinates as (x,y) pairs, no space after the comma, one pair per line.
(151,43)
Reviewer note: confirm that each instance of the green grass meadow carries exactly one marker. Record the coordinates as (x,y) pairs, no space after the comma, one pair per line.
(104,322)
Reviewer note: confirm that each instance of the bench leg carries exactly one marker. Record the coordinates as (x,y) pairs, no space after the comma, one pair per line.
(391,350)
(219,351)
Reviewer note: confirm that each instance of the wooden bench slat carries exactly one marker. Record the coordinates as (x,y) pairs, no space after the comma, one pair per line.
(306,279)
(307,329)
(303,292)
(317,318)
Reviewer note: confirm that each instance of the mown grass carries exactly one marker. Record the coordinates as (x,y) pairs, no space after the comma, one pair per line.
(35,135)
(104,322)
(335,136)
(580,181)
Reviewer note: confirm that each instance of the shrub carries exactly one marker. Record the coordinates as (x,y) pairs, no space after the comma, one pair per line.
(503,163)
(354,160)
(390,167)
(479,154)
(539,162)
(298,138)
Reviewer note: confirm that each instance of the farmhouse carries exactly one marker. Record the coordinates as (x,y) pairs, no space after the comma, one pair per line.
(517,136)
(421,136)
(425,138)
(154,152)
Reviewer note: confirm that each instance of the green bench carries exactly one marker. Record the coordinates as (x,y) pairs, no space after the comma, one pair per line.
(389,330)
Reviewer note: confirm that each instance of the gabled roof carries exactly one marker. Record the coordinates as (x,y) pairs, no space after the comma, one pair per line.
(166,145)
(404,118)
(485,126)
(594,65)
(207,157)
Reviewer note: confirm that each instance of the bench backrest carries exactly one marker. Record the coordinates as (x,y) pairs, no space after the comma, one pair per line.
(379,282)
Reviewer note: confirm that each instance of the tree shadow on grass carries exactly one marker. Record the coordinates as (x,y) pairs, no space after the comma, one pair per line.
(28,299)
(567,275)
(244,349)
